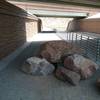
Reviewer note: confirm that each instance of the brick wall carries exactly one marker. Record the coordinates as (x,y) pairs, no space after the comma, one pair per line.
(12,28)
(90,25)
(85,25)
(12,34)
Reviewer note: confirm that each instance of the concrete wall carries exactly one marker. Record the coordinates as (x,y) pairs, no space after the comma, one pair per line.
(86,25)
(31,29)
(13,28)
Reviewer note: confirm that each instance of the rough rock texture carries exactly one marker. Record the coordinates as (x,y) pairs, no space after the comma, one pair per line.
(37,66)
(53,50)
(68,63)
(80,64)
(67,75)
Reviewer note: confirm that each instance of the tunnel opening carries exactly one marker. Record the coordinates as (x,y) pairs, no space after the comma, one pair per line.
(54,24)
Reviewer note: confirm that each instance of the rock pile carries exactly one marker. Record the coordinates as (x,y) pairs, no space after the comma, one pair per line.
(74,66)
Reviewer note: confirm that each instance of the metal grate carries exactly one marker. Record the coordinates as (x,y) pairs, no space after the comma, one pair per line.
(90,42)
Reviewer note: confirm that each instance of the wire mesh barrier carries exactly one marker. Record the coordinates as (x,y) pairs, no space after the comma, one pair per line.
(90,42)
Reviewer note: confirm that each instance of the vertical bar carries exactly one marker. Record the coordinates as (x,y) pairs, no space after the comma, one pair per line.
(69,36)
(81,40)
(76,39)
(98,49)
(87,45)
(72,38)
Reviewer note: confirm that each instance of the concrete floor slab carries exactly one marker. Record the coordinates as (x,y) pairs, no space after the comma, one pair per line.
(16,85)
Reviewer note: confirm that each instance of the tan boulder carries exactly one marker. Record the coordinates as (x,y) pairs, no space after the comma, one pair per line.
(53,50)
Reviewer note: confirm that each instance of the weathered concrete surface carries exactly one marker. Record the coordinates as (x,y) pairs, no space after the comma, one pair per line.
(15,85)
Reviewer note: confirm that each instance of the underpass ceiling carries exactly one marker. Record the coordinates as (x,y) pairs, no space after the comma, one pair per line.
(89,3)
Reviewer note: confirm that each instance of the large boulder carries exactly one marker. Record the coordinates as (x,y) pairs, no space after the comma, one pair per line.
(77,63)
(67,75)
(37,66)
(53,50)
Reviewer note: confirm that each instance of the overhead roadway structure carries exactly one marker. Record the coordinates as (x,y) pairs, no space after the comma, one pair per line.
(89,3)
(49,13)
(55,9)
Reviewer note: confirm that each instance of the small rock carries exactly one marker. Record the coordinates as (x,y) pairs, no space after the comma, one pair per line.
(67,75)
(37,66)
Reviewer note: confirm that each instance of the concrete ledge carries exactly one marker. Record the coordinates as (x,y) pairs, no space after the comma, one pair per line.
(14,56)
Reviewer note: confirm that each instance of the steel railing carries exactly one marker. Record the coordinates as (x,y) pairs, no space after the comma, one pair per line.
(90,42)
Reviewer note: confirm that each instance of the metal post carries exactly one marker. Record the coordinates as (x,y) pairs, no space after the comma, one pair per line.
(76,39)
(67,36)
(72,38)
(81,40)
(98,49)
(87,45)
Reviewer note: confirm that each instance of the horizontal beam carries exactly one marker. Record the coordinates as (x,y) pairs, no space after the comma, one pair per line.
(88,2)
(48,13)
